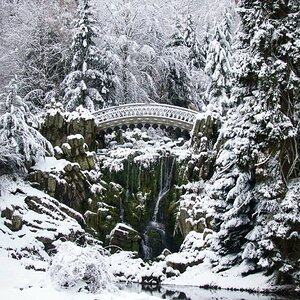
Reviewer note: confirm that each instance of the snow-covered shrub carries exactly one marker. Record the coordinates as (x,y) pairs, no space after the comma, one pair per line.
(82,268)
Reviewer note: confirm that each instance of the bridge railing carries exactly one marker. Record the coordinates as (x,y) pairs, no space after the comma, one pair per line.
(147,110)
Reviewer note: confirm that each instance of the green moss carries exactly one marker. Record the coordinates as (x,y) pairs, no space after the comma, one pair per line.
(138,188)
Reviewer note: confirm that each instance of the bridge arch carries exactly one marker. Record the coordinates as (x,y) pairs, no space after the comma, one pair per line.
(142,114)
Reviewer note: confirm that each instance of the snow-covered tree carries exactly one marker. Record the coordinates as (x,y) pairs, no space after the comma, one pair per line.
(273,36)
(196,56)
(196,61)
(204,47)
(90,78)
(42,64)
(35,49)
(258,150)
(178,87)
(219,65)
(17,134)
(134,41)
(227,25)
(178,83)
(177,38)
(281,238)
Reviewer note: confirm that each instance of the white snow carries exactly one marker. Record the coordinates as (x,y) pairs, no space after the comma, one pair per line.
(126,266)
(144,146)
(49,164)
(202,275)
(18,283)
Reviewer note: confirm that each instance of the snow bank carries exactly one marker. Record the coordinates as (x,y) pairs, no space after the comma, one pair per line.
(19,283)
(126,267)
(203,276)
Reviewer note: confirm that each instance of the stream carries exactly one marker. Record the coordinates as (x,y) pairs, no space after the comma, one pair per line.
(173,292)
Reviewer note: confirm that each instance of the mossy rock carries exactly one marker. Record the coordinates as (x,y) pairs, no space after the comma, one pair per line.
(125,237)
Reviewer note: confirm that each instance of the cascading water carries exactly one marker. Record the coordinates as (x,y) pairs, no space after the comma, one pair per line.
(122,210)
(154,236)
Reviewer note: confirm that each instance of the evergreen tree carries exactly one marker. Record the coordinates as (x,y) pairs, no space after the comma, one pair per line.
(179,90)
(17,135)
(196,57)
(90,79)
(179,85)
(273,34)
(259,153)
(204,48)
(219,67)
(177,38)
(227,25)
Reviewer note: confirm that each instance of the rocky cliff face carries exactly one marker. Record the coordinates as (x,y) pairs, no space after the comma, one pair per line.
(141,179)
(57,126)
(142,192)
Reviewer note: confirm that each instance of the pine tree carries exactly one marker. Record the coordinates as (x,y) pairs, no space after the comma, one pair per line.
(219,66)
(178,86)
(196,57)
(204,48)
(275,72)
(259,153)
(90,78)
(227,25)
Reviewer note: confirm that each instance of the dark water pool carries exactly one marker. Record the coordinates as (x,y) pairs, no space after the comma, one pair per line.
(195,293)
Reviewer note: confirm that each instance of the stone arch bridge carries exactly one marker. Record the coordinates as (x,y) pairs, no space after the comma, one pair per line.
(145,114)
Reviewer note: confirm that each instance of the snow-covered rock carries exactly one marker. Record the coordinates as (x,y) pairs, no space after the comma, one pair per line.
(32,221)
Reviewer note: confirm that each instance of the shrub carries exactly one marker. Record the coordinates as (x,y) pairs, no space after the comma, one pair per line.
(82,268)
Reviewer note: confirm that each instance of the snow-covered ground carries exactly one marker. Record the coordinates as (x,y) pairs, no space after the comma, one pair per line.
(223,285)
(202,275)
(17,283)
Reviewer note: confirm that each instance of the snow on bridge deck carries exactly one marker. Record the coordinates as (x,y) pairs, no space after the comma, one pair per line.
(146,113)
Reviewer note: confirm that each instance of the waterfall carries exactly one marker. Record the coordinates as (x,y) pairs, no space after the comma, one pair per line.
(154,234)
(166,175)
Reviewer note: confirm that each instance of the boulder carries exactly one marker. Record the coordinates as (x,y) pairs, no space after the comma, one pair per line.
(125,237)
(16,223)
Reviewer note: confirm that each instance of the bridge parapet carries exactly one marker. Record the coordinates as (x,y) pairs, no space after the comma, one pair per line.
(146,112)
